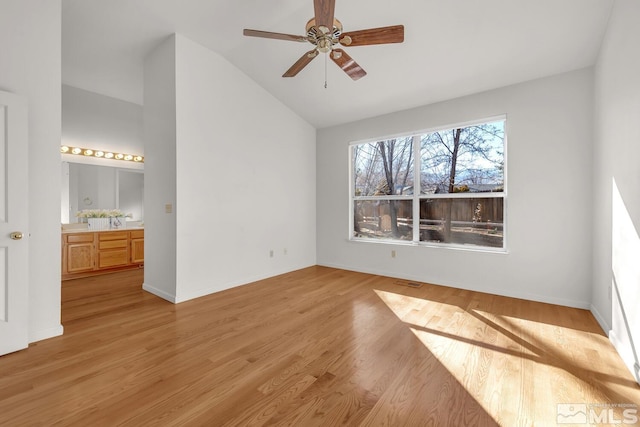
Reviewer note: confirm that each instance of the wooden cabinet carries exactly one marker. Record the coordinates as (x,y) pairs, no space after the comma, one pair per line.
(137,246)
(89,253)
(78,255)
(113,249)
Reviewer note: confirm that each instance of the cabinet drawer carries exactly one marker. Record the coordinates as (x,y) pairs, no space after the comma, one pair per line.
(113,235)
(113,258)
(137,234)
(80,238)
(112,244)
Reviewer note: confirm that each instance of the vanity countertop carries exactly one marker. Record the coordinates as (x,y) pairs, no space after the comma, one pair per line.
(87,230)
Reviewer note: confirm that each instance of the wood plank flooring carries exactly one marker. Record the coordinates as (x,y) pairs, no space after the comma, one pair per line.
(315,347)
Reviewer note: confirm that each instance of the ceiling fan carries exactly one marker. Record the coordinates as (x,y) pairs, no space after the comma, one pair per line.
(324,32)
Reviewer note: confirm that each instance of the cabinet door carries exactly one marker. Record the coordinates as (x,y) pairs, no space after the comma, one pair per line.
(79,257)
(137,251)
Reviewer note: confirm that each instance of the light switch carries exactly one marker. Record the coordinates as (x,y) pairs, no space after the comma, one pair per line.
(168,208)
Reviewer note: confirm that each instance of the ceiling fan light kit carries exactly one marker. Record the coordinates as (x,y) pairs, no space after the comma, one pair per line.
(324,31)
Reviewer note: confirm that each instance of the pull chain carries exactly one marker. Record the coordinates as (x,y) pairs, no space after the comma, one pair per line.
(325,69)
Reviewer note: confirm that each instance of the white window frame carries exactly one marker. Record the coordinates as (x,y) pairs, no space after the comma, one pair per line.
(416,197)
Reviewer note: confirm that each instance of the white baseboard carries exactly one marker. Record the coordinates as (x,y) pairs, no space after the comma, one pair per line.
(600,319)
(44,334)
(626,354)
(501,292)
(159,293)
(198,293)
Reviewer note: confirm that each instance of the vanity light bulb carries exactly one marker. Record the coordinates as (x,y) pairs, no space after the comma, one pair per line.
(99,153)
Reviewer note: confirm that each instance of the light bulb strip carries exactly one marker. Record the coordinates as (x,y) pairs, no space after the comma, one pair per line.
(112,155)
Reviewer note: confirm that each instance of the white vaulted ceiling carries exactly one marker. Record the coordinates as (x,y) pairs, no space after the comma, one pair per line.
(452,47)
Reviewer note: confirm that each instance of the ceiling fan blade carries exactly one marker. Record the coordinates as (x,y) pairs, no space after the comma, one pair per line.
(324,10)
(269,35)
(301,63)
(347,64)
(382,35)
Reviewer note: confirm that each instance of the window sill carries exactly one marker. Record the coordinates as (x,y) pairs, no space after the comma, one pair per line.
(449,246)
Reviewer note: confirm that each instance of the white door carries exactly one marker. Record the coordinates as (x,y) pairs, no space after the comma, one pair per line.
(14,294)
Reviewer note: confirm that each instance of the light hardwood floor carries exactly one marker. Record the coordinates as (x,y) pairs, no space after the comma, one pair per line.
(315,347)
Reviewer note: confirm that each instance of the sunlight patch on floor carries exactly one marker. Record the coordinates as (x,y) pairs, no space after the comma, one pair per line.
(533,362)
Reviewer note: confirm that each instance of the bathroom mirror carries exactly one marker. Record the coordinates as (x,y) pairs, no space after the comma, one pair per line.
(88,186)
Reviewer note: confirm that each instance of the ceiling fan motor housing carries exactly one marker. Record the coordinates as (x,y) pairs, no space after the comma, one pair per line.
(323,40)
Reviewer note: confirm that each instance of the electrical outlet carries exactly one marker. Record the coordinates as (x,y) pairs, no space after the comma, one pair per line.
(168,208)
(393,254)
(271,253)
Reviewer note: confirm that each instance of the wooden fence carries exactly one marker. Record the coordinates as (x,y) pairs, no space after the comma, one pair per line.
(476,209)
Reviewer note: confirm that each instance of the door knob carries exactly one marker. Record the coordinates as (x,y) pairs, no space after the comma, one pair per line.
(16,235)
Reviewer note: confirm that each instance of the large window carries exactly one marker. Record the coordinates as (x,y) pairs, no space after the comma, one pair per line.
(444,187)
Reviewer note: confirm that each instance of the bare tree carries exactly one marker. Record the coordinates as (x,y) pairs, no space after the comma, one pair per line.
(459,159)
(450,160)
(384,168)
(365,165)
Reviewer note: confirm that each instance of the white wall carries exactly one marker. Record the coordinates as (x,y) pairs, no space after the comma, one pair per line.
(65,195)
(30,66)
(245,168)
(90,120)
(246,178)
(159,115)
(549,135)
(616,203)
